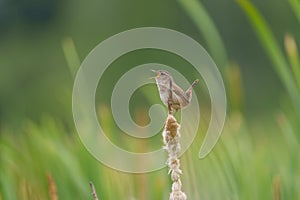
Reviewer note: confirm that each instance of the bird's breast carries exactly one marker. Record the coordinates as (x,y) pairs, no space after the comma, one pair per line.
(164,94)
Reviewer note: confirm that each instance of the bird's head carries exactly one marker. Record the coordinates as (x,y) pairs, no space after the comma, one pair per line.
(162,75)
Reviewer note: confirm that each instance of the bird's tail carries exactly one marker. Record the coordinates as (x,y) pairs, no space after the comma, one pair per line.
(195,83)
(188,92)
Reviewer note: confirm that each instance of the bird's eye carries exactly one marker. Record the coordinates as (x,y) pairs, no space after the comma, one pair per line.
(162,73)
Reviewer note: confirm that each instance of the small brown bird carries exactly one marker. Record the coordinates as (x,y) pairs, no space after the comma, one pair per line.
(180,98)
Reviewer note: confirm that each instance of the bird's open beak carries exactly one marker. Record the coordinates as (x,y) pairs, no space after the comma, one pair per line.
(157,74)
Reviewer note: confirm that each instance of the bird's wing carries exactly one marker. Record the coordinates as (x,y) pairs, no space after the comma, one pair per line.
(179,92)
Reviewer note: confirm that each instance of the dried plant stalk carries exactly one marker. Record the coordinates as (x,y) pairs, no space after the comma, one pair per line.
(277,188)
(52,187)
(93,191)
(171,139)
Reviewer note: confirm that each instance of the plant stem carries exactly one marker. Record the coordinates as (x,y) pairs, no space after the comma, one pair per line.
(93,191)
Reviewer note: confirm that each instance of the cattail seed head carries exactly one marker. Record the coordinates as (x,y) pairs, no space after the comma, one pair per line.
(171,139)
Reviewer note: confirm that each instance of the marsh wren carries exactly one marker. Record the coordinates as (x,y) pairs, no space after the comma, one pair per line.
(170,93)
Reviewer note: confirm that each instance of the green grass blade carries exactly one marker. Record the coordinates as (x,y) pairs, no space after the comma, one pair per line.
(209,31)
(289,134)
(273,50)
(295,5)
(71,55)
(292,53)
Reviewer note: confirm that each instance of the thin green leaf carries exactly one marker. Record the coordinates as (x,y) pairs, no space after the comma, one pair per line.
(71,55)
(273,50)
(295,5)
(292,52)
(209,31)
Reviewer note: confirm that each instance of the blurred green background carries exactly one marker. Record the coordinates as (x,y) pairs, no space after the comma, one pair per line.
(254,44)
